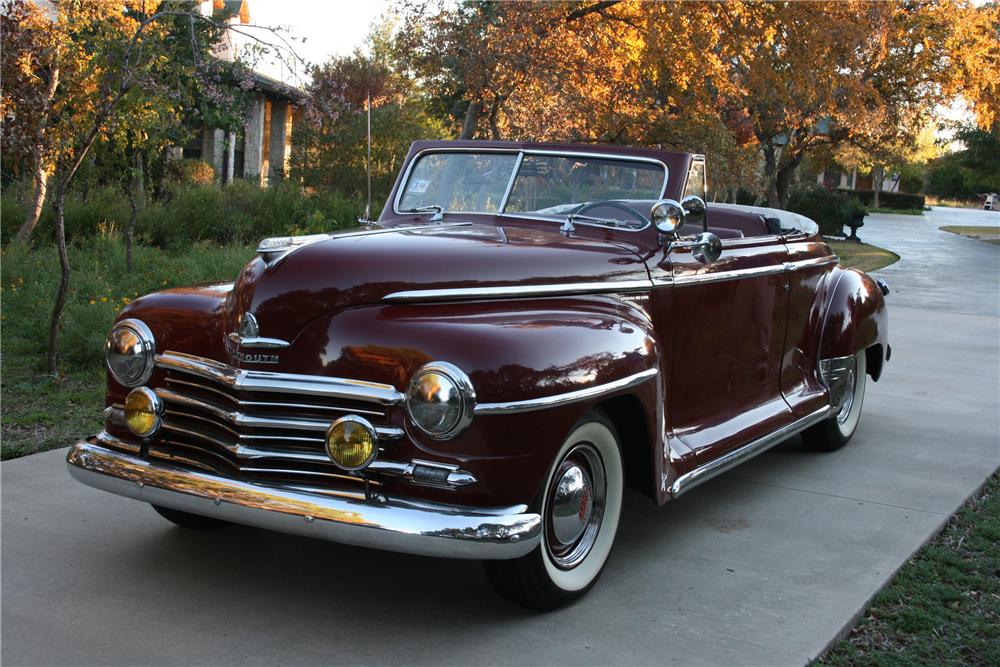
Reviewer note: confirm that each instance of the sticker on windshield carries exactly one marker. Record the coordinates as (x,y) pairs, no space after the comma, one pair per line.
(419,185)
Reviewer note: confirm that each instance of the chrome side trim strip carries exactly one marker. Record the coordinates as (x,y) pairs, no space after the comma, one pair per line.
(688,481)
(428,530)
(816,261)
(312,385)
(736,274)
(514,407)
(515,291)
(721,276)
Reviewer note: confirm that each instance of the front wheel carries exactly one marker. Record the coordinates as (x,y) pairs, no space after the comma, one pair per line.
(581,504)
(835,431)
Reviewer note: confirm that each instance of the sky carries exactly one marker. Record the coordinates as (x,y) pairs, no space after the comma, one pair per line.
(330,27)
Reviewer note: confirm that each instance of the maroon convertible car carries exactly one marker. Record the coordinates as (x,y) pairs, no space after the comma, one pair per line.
(526,329)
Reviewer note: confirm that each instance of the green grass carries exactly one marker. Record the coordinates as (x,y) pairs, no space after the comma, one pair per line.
(943,607)
(862,256)
(41,412)
(987,234)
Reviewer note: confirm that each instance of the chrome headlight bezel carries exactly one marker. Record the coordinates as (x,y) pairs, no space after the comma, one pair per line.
(461,395)
(143,346)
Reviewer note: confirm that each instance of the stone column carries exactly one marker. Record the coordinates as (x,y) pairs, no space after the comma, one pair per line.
(278,140)
(253,147)
(230,156)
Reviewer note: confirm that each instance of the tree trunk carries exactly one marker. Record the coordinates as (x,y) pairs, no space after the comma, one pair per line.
(136,199)
(52,357)
(471,119)
(40,168)
(41,176)
(771,176)
(878,177)
(783,179)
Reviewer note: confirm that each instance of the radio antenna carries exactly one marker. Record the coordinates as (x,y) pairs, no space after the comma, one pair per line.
(368,160)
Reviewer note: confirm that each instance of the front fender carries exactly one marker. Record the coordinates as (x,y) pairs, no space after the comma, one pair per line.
(512,350)
(856,319)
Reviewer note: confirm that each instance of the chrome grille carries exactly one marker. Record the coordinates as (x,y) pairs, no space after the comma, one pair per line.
(259,425)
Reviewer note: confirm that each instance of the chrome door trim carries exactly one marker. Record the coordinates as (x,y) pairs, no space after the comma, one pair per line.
(717,466)
(530,405)
(736,274)
(515,291)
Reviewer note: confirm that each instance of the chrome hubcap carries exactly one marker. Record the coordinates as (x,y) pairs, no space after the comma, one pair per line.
(571,505)
(575,506)
(847,400)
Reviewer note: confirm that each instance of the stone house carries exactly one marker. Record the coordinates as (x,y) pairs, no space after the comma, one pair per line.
(260,151)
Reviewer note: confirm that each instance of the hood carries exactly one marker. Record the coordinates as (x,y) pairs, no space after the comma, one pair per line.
(360,269)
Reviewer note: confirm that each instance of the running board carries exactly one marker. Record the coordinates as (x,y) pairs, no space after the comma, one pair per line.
(688,481)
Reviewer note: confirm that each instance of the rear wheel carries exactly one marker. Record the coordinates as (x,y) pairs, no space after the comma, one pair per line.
(581,505)
(188,520)
(836,431)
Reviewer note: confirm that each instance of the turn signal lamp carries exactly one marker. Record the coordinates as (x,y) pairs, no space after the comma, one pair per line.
(142,412)
(351,443)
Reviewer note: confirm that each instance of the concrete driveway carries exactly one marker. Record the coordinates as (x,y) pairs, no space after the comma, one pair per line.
(762,566)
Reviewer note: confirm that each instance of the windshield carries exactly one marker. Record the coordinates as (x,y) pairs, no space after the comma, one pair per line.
(595,189)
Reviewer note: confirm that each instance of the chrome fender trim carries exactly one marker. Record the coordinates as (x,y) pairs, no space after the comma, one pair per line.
(514,407)
(426,529)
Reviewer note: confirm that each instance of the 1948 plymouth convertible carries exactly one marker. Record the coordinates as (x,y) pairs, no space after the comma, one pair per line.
(526,329)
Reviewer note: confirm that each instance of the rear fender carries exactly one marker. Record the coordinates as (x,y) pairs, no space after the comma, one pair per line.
(856,319)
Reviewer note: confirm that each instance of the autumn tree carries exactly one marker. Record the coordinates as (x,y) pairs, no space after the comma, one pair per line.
(329,145)
(562,71)
(108,59)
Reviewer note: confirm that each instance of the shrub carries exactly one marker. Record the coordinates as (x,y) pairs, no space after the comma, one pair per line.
(188,171)
(239,212)
(831,210)
(898,200)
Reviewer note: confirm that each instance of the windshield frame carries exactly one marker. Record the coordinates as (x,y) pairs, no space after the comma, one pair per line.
(520,153)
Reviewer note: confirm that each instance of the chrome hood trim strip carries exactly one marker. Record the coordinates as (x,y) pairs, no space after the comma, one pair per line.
(514,407)
(516,291)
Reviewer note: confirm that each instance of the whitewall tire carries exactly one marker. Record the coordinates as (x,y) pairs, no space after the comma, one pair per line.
(580,507)
(837,430)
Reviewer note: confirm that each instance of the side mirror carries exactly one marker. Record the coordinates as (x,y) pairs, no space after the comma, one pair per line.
(667,215)
(707,248)
(694,211)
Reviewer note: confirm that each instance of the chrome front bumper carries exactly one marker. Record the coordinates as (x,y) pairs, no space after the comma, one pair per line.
(424,529)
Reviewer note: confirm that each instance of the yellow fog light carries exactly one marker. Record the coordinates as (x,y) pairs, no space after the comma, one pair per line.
(142,412)
(351,443)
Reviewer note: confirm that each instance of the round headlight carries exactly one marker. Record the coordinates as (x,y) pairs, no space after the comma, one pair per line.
(351,442)
(129,350)
(142,412)
(440,400)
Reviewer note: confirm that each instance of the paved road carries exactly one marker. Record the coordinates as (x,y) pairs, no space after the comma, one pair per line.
(762,566)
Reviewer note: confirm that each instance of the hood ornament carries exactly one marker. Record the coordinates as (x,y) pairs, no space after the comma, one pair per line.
(248,336)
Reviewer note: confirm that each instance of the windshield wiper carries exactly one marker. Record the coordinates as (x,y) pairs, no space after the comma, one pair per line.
(438,211)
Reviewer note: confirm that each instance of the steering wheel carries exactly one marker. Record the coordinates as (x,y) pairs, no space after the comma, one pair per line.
(625,208)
